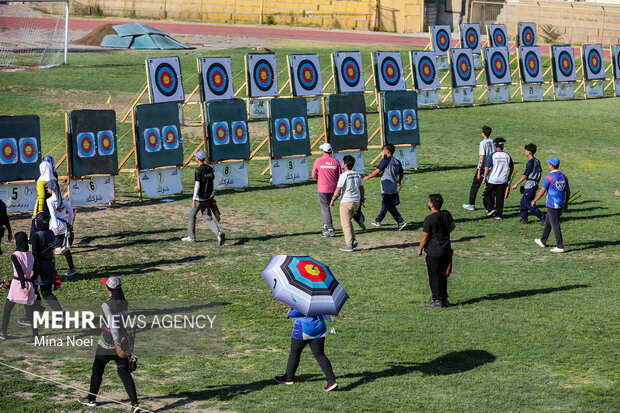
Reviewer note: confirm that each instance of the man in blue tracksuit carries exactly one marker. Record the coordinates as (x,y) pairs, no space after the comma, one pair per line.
(308,330)
(556,183)
(531,176)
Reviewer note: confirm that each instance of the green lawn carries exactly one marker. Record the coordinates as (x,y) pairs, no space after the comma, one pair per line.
(530,331)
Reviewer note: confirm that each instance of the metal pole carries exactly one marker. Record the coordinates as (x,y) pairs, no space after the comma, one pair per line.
(66,28)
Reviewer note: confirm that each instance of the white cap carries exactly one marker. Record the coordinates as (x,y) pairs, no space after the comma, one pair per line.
(326,147)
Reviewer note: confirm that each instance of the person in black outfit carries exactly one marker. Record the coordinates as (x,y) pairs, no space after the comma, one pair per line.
(4,224)
(113,345)
(436,242)
(43,245)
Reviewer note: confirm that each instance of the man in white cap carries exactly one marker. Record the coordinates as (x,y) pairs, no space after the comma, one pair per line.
(326,171)
(202,200)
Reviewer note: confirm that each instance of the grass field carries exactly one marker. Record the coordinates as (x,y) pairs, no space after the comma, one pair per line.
(530,331)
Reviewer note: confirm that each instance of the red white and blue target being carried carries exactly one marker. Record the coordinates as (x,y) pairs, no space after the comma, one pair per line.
(170,137)
(105,142)
(86,144)
(358,124)
(341,124)
(220,133)
(282,128)
(152,140)
(8,151)
(395,120)
(410,119)
(239,132)
(298,128)
(28,150)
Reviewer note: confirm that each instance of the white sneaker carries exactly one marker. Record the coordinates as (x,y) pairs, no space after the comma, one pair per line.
(469,207)
(221,238)
(188,239)
(539,243)
(556,249)
(490,213)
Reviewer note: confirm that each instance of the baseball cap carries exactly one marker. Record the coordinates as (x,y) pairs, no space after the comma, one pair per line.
(326,147)
(201,155)
(111,282)
(553,161)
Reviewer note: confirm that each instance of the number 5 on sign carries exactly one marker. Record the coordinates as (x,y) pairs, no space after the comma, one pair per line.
(19,196)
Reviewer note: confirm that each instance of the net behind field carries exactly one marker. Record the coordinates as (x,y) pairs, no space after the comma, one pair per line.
(32,36)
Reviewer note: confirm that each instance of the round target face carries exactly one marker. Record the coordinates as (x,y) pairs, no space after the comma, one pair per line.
(28,150)
(499,39)
(471,38)
(220,133)
(239,132)
(390,71)
(170,136)
(307,74)
(152,140)
(595,62)
(217,80)
(394,120)
(565,63)
(499,66)
(350,71)
(298,128)
(341,124)
(410,120)
(105,142)
(442,40)
(527,36)
(282,129)
(357,124)
(426,70)
(532,65)
(463,67)
(86,144)
(8,151)
(263,75)
(166,79)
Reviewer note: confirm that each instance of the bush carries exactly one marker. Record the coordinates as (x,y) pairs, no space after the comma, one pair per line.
(550,33)
(270,20)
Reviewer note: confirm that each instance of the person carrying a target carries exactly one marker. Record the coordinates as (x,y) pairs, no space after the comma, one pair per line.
(531,176)
(326,170)
(5,225)
(61,220)
(203,200)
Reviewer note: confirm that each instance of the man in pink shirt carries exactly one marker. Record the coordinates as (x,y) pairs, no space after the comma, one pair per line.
(326,171)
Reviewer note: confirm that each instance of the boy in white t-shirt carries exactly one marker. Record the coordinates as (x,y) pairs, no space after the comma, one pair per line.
(485,149)
(351,187)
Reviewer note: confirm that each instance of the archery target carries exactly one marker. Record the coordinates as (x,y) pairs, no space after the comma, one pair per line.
(298,126)
(441,39)
(424,68)
(239,132)
(170,137)
(615,51)
(358,124)
(282,129)
(563,64)
(306,75)
(410,119)
(261,75)
(347,67)
(593,65)
(220,133)
(152,140)
(165,79)
(28,150)
(216,78)
(341,124)
(527,34)
(470,37)
(395,121)
(86,144)
(498,35)
(462,68)
(8,151)
(529,64)
(497,66)
(105,142)
(389,71)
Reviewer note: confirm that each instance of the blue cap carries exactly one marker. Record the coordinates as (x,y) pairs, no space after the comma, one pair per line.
(554,161)
(201,155)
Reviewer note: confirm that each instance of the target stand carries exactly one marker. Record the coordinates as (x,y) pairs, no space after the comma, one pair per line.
(563,90)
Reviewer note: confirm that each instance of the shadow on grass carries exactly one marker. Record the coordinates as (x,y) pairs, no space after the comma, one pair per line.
(592,244)
(244,240)
(123,234)
(565,218)
(452,363)
(440,168)
(521,294)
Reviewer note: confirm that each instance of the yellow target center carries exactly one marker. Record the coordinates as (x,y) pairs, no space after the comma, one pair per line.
(166,79)
(312,269)
(308,75)
(263,76)
(218,79)
(28,150)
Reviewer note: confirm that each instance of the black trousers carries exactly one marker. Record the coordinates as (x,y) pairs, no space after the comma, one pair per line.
(49,297)
(437,279)
(388,204)
(553,222)
(494,198)
(122,368)
(6,315)
(475,186)
(317,346)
